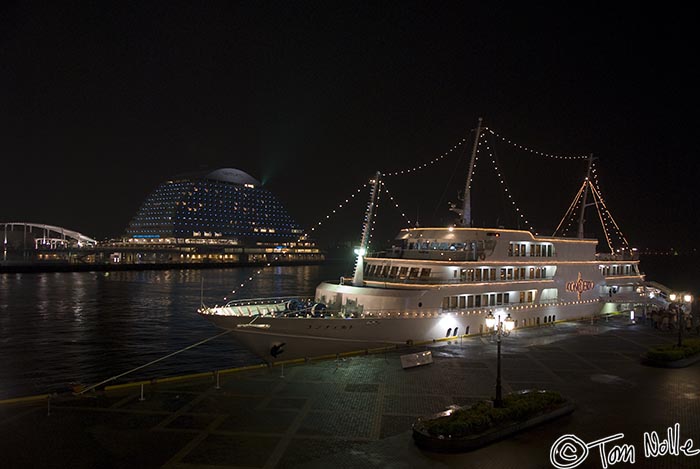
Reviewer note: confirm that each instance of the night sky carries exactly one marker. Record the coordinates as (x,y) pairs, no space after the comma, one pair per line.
(101,101)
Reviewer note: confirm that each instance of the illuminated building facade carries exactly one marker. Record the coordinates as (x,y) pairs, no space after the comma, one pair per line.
(219,216)
(226,204)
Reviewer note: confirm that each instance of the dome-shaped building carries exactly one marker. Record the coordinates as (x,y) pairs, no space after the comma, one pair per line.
(227,204)
(218,215)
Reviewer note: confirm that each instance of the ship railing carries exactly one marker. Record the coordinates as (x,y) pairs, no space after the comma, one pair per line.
(274,306)
(427,254)
(621,256)
(447,281)
(265,301)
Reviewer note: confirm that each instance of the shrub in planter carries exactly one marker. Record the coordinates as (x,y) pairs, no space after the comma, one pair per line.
(482,416)
(672,352)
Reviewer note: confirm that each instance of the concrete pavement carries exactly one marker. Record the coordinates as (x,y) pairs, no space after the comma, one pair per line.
(357,412)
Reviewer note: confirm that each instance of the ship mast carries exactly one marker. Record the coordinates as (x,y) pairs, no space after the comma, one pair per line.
(357,278)
(467,205)
(582,219)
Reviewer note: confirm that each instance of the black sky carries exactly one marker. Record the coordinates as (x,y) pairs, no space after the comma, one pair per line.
(101,101)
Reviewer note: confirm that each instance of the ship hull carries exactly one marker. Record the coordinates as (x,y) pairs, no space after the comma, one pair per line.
(279,338)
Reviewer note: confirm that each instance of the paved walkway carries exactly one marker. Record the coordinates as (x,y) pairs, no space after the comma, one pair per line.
(357,412)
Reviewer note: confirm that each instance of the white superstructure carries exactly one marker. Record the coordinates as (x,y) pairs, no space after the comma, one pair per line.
(437,283)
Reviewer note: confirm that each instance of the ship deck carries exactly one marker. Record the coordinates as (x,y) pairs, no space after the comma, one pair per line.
(358,411)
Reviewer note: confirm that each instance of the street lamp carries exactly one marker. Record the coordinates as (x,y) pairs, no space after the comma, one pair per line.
(498,328)
(676,301)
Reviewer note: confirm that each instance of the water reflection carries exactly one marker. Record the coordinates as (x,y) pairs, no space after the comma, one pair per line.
(60,328)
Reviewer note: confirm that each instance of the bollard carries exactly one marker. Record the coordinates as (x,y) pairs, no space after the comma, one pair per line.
(48,406)
(282,368)
(142,398)
(217,380)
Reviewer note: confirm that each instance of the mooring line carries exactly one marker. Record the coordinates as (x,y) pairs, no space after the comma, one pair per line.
(90,388)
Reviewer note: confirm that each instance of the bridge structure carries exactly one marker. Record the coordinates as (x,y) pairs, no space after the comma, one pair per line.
(24,241)
(45,236)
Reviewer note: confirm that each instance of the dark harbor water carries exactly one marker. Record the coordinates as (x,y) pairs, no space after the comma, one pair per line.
(680,273)
(63,328)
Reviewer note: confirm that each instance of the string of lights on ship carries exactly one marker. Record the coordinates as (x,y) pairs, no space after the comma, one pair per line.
(606,217)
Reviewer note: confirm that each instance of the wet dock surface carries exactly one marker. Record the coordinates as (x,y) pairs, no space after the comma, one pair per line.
(357,412)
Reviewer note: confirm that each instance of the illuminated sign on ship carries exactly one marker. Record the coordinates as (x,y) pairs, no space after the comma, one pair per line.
(580,286)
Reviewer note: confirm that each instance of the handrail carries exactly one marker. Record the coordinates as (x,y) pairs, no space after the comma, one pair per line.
(258,301)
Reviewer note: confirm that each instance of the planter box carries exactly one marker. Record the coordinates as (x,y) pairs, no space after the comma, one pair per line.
(453,445)
(682,363)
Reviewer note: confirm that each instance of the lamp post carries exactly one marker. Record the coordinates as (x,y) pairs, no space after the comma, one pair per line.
(499,328)
(676,300)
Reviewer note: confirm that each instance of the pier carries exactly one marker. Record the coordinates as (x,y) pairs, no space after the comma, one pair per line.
(356,410)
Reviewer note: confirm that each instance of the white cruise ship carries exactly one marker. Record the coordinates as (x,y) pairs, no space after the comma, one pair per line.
(439,283)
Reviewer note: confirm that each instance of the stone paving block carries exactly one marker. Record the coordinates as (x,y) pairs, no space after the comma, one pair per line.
(563,363)
(159,401)
(534,385)
(599,357)
(519,365)
(286,403)
(303,450)
(349,425)
(439,382)
(88,400)
(118,420)
(528,375)
(469,400)
(197,386)
(633,356)
(312,374)
(343,375)
(361,387)
(86,438)
(346,402)
(247,386)
(258,421)
(369,398)
(10,413)
(191,422)
(415,405)
(223,403)
(227,450)
(306,389)
(573,362)
(394,424)
(539,351)
(468,364)
(582,377)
